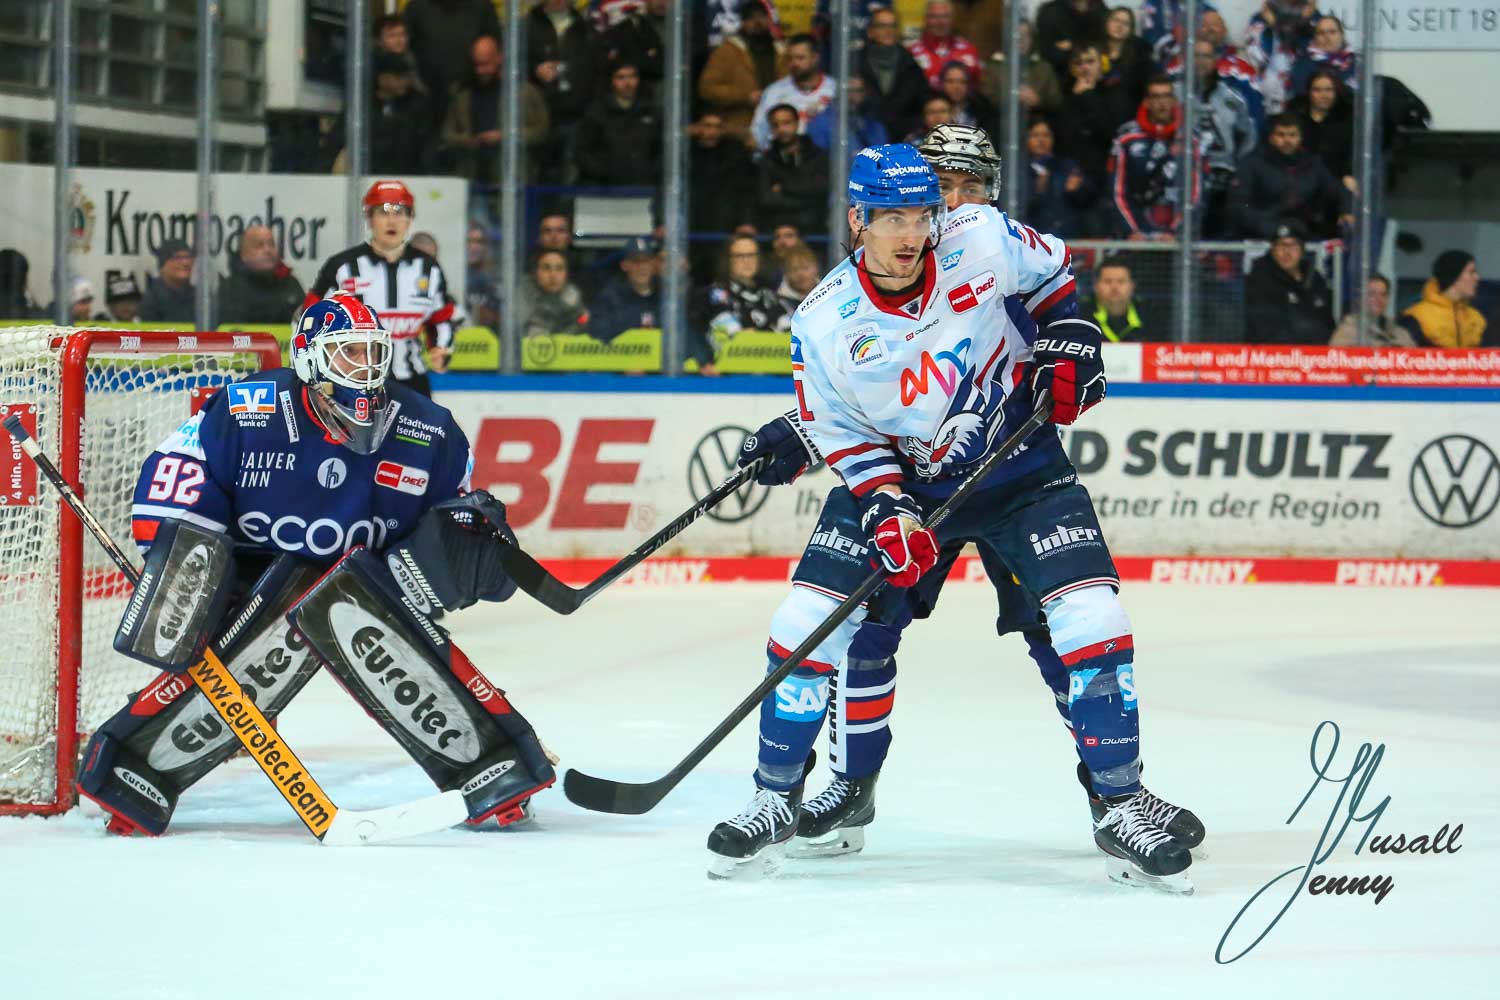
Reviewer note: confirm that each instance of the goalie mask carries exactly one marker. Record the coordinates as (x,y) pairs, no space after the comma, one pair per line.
(967,150)
(342,353)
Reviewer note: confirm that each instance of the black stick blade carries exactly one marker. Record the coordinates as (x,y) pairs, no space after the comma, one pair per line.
(618,797)
(534,579)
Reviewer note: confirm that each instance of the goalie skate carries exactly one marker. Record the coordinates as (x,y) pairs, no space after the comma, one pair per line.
(833,822)
(1137,851)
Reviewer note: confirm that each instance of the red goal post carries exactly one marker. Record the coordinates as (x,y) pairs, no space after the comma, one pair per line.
(98,401)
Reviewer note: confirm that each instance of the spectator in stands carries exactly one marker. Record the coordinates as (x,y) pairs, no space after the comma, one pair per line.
(1057,192)
(894,82)
(400,134)
(1286,299)
(860,14)
(740,69)
(555,232)
(719,197)
(737,301)
(1384,332)
(1278,35)
(936,110)
(1144,183)
(1231,69)
(550,303)
(81,302)
(15,296)
(938,45)
(1328,124)
(1040,92)
(1161,25)
(1328,51)
(1283,180)
(638,39)
(1091,116)
(799,276)
(169,296)
(619,138)
(1226,135)
(1064,26)
(425,242)
(792,177)
(806,89)
(441,33)
(471,133)
(1446,317)
(122,297)
(784,238)
(970,107)
(1125,58)
(481,290)
(864,129)
(632,299)
(1114,308)
(392,39)
(259,287)
(982,22)
(722,18)
(562,55)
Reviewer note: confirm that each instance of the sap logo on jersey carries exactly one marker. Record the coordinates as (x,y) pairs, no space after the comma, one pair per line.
(849,308)
(1125,677)
(252,402)
(801,699)
(973,292)
(404,478)
(949,262)
(385,665)
(322,537)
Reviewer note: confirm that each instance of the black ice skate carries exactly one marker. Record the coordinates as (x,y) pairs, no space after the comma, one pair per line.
(1137,851)
(833,822)
(761,830)
(1181,825)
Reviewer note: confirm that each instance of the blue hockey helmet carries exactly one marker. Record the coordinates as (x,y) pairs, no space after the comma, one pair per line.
(895,176)
(343,354)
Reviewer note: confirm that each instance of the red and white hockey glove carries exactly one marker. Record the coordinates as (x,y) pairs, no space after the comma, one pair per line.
(898,542)
(1068,361)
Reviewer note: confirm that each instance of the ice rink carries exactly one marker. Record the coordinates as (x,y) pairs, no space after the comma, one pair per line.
(980,878)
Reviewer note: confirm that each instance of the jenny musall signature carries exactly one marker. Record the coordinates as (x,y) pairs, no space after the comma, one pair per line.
(1353,787)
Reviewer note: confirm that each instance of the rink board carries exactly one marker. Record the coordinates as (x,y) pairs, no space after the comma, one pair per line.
(591,465)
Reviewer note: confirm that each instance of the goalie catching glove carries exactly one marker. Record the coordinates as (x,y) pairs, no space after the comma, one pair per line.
(1069,362)
(453,558)
(893,523)
(790,450)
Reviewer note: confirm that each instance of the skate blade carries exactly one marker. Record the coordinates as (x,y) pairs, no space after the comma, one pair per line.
(850,840)
(1123,872)
(767,864)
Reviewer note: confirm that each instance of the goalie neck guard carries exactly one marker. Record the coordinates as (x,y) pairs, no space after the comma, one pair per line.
(341,352)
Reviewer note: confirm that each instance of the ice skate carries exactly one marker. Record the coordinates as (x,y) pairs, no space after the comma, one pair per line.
(760,831)
(1138,852)
(1179,823)
(833,822)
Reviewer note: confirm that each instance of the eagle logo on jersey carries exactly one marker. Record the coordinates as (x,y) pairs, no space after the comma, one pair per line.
(967,432)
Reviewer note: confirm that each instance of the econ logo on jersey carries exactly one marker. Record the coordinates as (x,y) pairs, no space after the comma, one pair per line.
(252,398)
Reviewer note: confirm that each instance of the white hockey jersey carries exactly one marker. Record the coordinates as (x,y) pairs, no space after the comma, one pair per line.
(922,390)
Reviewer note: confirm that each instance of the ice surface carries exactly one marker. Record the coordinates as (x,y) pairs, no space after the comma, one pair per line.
(980,878)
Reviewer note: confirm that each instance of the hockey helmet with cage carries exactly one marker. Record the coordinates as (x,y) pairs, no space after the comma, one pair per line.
(966,149)
(894,176)
(384,193)
(343,355)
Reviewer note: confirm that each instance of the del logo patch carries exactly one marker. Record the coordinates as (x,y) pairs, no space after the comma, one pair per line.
(973,292)
(402,478)
(252,397)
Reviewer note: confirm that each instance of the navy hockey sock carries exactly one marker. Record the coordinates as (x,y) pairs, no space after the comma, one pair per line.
(1054,674)
(790,719)
(861,697)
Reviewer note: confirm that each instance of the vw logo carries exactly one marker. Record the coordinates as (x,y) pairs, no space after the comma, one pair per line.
(1455,481)
(712,463)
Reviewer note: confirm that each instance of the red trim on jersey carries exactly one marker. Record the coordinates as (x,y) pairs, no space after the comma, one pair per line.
(777,649)
(1056,297)
(869,484)
(863,711)
(844,453)
(143,530)
(885,303)
(1119,644)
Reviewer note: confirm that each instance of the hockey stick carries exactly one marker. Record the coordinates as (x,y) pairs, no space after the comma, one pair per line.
(269,750)
(604,795)
(533,578)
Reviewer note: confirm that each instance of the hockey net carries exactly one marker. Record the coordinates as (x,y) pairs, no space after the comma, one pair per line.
(97,402)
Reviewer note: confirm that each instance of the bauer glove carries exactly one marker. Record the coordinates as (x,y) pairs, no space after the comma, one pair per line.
(790,451)
(1068,361)
(899,544)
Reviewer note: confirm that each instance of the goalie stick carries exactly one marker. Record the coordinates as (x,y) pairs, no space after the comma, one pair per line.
(532,577)
(632,799)
(323,819)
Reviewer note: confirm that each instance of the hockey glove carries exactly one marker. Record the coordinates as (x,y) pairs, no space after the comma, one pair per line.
(906,550)
(792,452)
(1068,361)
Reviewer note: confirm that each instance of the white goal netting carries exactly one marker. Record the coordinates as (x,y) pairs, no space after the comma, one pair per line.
(132,400)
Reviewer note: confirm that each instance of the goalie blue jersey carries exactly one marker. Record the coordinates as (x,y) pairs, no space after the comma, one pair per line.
(255,464)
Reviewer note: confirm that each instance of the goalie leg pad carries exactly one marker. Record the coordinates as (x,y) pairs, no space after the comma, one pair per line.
(168,736)
(421,689)
(180,597)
